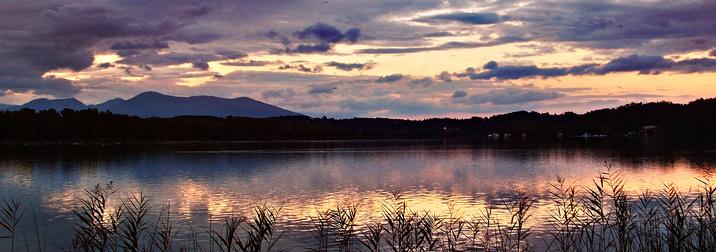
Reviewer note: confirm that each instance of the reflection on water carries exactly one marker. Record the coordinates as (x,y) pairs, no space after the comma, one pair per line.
(201,183)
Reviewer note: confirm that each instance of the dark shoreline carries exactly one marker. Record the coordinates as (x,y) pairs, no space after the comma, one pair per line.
(692,122)
(659,144)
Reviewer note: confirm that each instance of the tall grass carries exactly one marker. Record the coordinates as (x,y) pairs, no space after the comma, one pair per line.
(98,227)
(256,233)
(163,235)
(10,215)
(602,216)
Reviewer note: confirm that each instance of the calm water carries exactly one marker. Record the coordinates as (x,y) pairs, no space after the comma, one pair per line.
(205,180)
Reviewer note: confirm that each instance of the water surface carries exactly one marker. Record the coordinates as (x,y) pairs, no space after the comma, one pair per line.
(202,181)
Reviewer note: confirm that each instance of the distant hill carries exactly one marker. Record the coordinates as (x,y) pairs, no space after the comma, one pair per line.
(56,104)
(105,106)
(5,106)
(153,104)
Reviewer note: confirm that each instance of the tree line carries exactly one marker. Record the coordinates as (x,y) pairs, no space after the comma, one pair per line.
(694,119)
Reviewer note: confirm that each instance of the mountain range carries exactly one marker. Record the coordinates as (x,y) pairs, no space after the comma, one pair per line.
(153,104)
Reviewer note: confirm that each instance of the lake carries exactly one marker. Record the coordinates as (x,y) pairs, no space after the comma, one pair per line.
(204,180)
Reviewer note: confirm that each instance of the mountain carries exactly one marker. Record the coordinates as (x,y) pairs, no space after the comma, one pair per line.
(6,106)
(108,104)
(153,104)
(56,104)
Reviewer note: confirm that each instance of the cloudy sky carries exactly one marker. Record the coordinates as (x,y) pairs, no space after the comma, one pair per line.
(345,58)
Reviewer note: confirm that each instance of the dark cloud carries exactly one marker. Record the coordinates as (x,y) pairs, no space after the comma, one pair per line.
(250,63)
(105,65)
(129,70)
(439,34)
(352,35)
(274,35)
(509,96)
(659,27)
(390,78)
(128,53)
(459,94)
(518,72)
(151,57)
(198,10)
(643,64)
(646,64)
(43,86)
(322,32)
(139,44)
(322,37)
(194,36)
(308,48)
(465,17)
(350,66)
(490,65)
(302,68)
(94,21)
(41,36)
(713,53)
(421,82)
(229,54)
(321,89)
(200,64)
(640,63)
(695,65)
(328,34)
(445,46)
(444,76)
(655,28)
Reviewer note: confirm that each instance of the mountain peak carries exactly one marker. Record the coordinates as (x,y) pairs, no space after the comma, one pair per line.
(56,104)
(107,105)
(150,94)
(117,99)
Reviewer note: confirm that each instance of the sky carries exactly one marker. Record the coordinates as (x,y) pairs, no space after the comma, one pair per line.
(377,58)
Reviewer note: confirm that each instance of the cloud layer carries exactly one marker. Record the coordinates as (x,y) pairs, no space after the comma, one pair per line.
(642,64)
(355,58)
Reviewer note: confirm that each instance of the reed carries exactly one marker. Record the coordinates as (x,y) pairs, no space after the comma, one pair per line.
(10,216)
(342,226)
(517,232)
(705,224)
(226,239)
(163,235)
(453,229)
(320,229)
(134,223)
(564,223)
(98,227)
(371,237)
(253,234)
